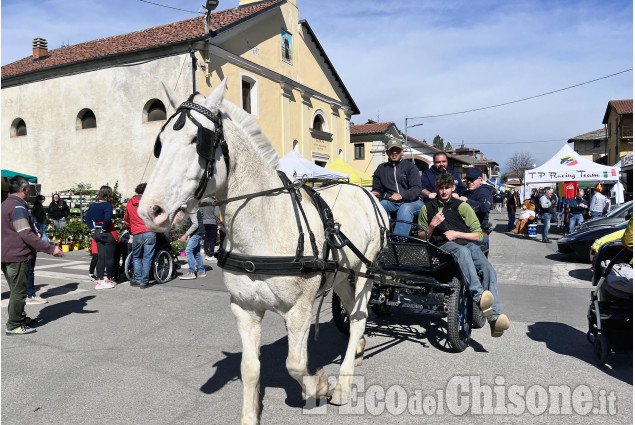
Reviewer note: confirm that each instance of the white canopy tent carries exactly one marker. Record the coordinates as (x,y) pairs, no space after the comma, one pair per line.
(296,166)
(567,165)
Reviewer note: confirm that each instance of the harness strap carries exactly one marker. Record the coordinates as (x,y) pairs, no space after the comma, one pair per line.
(277,266)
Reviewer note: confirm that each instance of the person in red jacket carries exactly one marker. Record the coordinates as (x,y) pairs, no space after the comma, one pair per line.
(143,240)
(20,242)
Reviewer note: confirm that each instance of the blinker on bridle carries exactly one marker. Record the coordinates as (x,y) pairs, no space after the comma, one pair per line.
(207,141)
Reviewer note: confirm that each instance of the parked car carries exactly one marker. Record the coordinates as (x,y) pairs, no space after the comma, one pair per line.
(617,216)
(595,247)
(579,242)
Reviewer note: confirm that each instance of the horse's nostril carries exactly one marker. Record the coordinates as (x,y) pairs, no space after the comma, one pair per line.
(157,209)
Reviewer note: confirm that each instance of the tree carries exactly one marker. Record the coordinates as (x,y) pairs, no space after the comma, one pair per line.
(438,142)
(518,163)
(448,147)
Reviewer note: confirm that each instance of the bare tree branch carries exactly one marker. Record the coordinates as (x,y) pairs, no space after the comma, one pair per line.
(518,163)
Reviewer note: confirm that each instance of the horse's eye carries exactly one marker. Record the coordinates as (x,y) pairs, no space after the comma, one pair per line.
(194,140)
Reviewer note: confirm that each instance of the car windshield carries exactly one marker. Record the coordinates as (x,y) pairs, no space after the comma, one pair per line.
(621,211)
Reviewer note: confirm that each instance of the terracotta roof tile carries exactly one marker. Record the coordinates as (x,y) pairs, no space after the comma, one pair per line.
(372,128)
(623,106)
(176,32)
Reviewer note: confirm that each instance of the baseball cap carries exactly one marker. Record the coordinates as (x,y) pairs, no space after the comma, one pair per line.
(473,173)
(393,142)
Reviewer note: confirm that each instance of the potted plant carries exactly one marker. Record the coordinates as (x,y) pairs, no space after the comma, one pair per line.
(77,230)
(178,246)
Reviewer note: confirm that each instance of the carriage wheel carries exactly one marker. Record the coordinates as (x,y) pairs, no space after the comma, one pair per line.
(128,268)
(163,267)
(601,349)
(478,318)
(340,316)
(459,316)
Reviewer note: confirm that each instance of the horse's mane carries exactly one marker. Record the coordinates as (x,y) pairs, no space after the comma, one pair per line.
(252,130)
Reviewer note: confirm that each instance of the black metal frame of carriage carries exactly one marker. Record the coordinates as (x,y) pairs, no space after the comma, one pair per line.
(411,266)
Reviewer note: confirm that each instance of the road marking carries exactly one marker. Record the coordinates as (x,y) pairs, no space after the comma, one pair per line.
(68,264)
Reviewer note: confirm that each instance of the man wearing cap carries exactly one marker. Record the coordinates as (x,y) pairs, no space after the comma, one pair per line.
(477,196)
(397,184)
(429,178)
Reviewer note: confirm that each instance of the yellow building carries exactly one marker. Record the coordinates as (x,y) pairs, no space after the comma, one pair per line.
(618,120)
(90,112)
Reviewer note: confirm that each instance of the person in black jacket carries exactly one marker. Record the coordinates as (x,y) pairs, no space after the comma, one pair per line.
(398,185)
(58,211)
(512,205)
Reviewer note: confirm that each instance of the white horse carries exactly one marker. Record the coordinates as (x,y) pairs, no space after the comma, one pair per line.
(265,226)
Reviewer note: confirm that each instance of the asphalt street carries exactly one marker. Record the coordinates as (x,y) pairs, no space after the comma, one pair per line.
(171,355)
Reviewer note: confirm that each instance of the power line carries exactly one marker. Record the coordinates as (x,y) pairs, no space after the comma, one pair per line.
(170,7)
(517,143)
(521,100)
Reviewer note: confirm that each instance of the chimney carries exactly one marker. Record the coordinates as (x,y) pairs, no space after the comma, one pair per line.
(481,156)
(40,48)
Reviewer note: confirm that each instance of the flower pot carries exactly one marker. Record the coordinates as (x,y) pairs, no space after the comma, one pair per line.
(75,247)
(182,253)
(66,247)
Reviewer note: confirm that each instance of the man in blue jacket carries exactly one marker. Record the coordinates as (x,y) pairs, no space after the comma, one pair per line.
(397,184)
(429,178)
(477,196)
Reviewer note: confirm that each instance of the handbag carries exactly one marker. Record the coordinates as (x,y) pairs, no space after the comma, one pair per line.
(99,235)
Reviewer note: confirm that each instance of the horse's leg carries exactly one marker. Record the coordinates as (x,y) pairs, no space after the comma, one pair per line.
(358,317)
(346,292)
(249,324)
(298,320)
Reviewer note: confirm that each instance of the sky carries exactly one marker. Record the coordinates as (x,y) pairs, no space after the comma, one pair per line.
(416,58)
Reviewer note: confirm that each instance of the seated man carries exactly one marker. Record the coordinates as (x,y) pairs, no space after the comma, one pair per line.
(428,178)
(452,225)
(397,184)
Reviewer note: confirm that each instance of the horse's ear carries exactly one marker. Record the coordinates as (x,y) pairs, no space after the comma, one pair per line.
(215,99)
(171,96)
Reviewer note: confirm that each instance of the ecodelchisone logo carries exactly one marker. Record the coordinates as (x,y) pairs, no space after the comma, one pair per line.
(568,160)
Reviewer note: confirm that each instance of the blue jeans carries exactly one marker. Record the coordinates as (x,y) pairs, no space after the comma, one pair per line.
(546,221)
(30,278)
(41,228)
(142,254)
(405,211)
(470,257)
(596,214)
(193,254)
(574,220)
(511,222)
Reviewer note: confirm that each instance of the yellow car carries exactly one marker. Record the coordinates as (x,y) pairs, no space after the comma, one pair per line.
(603,240)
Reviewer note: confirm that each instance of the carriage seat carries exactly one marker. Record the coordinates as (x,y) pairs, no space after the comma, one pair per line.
(619,284)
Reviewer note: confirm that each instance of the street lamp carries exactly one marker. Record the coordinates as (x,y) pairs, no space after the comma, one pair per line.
(209,6)
(414,125)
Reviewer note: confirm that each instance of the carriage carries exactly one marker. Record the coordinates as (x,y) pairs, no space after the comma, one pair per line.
(418,275)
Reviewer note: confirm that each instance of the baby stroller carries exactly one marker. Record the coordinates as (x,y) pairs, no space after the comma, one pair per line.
(610,313)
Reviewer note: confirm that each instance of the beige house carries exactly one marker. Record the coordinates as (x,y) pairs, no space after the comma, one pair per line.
(618,120)
(90,112)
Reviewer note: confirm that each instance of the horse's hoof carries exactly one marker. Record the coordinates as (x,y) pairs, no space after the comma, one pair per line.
(338,398)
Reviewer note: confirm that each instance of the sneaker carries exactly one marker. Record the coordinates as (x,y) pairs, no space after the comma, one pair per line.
(21,330)
(202,274)
(35,300)
(188,276)
(209,258)
(92,277)
(485,303)
(498,326)
(104,284)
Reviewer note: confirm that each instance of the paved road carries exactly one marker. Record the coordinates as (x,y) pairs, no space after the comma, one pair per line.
(171,355)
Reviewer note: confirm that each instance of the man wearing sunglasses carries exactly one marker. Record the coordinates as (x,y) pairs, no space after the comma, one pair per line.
(477,196)
(429,178)
(397,185)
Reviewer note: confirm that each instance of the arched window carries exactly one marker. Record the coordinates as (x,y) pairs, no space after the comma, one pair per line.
(86,119)
(319,121)
(154,110)
(18,127)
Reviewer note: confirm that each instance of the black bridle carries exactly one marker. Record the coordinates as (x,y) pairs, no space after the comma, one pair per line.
(207,141)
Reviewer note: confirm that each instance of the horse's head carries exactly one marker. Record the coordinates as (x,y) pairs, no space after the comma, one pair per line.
(193,160)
